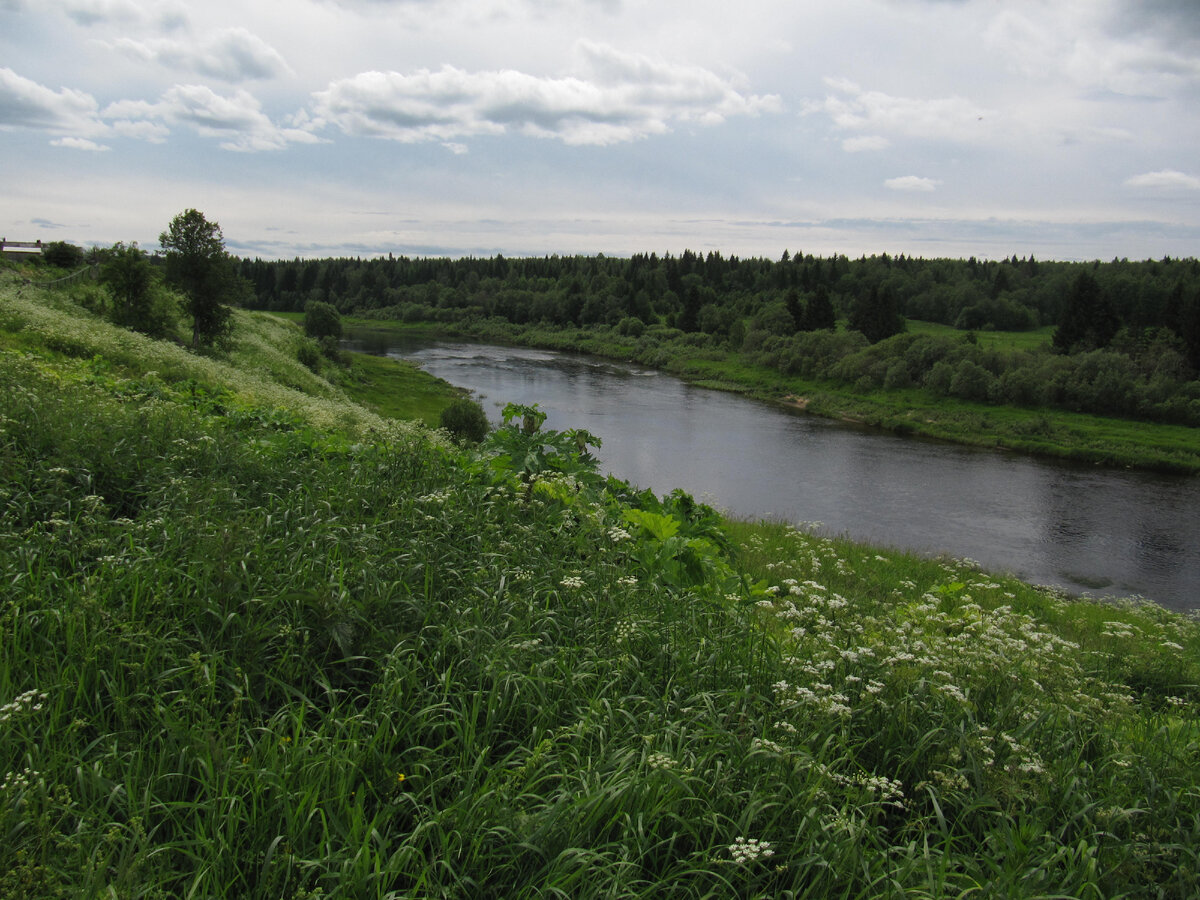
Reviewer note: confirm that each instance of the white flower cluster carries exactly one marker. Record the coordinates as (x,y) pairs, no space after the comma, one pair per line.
(748,850)
(617,535)
(31,700)
(889,791)
(18,781)
(573,582)
(766,746)
(660,761)
(627,581)
(438,497)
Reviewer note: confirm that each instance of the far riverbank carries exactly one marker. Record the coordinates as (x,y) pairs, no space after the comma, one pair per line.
(1050,433)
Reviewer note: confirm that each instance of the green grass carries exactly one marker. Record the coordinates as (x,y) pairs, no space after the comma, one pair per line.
(396,389)
(393,388)
(251,648)
(992,340)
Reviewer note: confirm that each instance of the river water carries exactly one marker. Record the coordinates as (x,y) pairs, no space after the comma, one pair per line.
(1088,530)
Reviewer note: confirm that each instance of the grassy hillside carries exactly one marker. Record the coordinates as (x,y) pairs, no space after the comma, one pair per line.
(258,641)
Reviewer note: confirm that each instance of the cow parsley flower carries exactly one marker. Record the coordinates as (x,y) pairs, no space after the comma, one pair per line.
(748,850)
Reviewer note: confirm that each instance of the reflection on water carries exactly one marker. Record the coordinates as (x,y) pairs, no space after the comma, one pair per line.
(1085,529)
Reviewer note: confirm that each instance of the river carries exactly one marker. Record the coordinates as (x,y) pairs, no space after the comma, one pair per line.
(1087,530)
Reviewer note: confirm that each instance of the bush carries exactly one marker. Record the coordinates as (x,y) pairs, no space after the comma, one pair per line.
(631,327)
(465,420)
(309,354)
(971,381)
(63,255)
(322,320)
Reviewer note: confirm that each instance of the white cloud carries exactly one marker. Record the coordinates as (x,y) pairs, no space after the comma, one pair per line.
(27,104)
(238,119)
(867,142)
(911,183)
(75,143)
(151,132)
(851,108)
(94,12)
(233,54)
(1165,178)
(1116,46)
(166,14)
(614,97)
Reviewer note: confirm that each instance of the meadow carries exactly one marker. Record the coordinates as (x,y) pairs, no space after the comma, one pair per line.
(257,640)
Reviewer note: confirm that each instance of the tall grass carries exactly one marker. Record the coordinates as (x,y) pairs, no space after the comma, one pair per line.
(246,652)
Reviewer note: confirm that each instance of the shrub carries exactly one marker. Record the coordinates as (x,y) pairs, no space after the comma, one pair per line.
(309,354)
(63,255)
(971,381)
(631,327)
(465,420)
(322,320)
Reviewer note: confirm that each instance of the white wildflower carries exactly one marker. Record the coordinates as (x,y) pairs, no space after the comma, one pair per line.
(748,850)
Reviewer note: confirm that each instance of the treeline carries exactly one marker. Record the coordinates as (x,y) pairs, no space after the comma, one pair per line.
(711,293)
(1126,340)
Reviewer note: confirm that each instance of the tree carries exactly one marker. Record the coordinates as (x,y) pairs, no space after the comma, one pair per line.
(63,255)
(1189,330)
(818,312)
(198,264)
(322,320)
(876,315)
(1088,320)
(130,278)
(795,309)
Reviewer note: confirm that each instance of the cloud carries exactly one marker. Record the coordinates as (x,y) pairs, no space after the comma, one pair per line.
(851,108)
(238,119)
(233,55)
(911,183)
(95,12)
(865,143)
(27,104)
(151,132)
(1175,21)
(90,13)
(612,97)
(1146,50)
(1164,178)
(75,143)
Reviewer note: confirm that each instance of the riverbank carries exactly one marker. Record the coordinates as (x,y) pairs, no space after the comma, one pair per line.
(260,641)
(1043,432)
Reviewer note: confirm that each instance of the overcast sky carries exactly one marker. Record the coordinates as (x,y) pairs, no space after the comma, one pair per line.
(1068,129)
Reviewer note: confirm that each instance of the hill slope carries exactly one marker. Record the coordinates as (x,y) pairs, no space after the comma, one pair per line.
(257,641)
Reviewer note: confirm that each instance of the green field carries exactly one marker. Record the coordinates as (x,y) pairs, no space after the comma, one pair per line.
(257,640)
(1000,340)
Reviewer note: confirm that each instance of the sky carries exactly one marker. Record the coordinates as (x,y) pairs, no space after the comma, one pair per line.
(1062,129)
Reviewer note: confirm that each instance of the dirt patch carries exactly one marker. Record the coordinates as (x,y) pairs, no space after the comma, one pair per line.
(796,401)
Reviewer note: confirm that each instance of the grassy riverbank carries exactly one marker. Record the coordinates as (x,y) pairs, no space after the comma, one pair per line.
(1041,431)
(257,640)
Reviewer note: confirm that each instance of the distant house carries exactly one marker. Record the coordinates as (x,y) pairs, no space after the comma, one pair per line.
(16,249)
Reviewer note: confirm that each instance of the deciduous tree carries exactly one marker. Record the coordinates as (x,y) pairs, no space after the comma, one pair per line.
(130,278)
(198,264)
